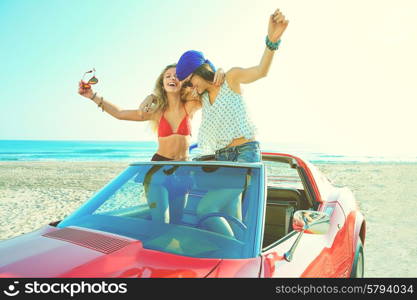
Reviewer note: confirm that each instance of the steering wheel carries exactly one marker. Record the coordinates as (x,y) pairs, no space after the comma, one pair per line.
(232,219)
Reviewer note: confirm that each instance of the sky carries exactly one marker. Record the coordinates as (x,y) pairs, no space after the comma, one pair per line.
(343,79)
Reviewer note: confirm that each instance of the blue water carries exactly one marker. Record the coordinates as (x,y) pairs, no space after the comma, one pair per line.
(26,150)
(41,150)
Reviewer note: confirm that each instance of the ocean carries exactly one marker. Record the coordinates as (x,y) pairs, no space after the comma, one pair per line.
(131,151)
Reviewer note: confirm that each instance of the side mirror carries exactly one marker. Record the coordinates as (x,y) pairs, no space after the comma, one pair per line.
(307,221)
(313,222)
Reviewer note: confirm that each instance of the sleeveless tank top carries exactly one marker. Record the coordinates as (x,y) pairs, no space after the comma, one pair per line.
(223,121)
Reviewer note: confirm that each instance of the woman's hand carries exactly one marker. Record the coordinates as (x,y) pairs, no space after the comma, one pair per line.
(236,76)
(277,25)
(86,92)
(146,105)
(219,77)
(189,94)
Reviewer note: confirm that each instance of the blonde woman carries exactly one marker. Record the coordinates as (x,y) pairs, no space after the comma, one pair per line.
(171,114)
(173,108)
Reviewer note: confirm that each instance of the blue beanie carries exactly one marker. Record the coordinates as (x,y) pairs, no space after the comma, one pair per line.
(189,62)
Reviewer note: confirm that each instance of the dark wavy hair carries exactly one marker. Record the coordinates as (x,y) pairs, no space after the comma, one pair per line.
(205,72)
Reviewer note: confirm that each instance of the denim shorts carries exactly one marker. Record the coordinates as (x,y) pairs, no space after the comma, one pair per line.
(248,152)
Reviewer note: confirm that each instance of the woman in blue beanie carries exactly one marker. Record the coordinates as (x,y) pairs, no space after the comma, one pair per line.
(226,129)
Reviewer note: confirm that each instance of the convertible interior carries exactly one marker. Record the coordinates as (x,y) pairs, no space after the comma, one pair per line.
(281,203)
(285,194)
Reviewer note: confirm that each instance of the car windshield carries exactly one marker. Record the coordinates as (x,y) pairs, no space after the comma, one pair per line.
(191,210)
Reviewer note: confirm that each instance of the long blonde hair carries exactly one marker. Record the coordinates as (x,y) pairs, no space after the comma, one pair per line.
(160,94)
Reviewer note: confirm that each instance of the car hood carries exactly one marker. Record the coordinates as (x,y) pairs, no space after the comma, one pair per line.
(77,252)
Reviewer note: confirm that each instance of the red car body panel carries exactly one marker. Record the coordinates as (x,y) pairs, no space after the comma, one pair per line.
(240,268)
(338,255)
(34,255)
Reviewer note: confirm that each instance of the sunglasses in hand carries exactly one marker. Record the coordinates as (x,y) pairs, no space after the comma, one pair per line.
(91,81)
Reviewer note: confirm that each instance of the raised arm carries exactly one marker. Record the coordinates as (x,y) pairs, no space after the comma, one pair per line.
(113,110)
(276,27)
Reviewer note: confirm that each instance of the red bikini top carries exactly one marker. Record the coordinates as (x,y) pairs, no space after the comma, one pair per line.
(165,129)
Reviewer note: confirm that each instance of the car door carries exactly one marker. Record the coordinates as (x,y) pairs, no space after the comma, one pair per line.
(309,258)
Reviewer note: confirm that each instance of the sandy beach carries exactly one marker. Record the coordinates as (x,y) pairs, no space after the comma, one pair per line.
(33,194)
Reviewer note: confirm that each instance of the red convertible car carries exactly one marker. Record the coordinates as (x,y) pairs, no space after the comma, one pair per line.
(278,218)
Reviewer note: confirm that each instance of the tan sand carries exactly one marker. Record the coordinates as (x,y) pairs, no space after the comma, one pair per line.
(33,194)
(387,196)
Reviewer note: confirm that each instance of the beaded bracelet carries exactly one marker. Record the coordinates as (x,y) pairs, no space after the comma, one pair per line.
(272,46)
